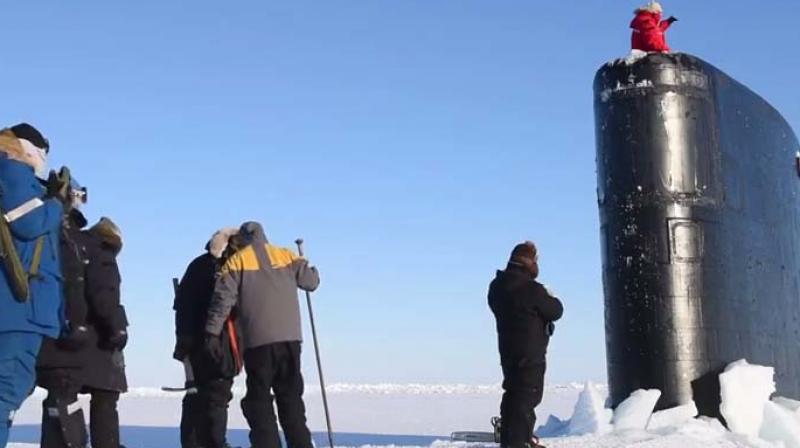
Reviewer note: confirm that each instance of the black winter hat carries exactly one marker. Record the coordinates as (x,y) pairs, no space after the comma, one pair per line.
(31,134)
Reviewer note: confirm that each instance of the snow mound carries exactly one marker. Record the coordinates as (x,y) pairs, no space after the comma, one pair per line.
(790,405)
(672,418)
(755,421)
(633,57)
(635,412)
(589,415)
(745,391)
(780,425)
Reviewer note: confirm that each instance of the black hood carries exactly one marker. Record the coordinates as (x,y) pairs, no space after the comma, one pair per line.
(513,278)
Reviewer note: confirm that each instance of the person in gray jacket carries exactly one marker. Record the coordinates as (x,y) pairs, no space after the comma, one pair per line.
(258,284)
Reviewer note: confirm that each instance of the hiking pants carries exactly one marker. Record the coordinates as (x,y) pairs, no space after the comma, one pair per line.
(273,373)
(18,352)
(214,397)
(191,410)
(63,423)
(523,384)
(104,418)
(204,416)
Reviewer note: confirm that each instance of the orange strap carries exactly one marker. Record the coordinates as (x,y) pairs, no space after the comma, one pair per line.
(234,343)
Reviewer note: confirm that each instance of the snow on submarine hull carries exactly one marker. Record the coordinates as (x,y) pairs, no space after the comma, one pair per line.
(699,198)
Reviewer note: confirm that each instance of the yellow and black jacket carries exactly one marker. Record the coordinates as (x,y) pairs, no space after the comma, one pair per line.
(261,281)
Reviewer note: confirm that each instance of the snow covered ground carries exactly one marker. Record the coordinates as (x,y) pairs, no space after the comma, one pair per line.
(404,409)
(392,415)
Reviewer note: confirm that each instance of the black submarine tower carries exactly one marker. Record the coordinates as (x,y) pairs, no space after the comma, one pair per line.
(699,199)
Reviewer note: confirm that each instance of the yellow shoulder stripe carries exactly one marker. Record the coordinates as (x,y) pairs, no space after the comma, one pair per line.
(249,259)
(280,257)
(244,260)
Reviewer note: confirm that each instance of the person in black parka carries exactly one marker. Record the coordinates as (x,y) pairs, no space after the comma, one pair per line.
(104,376)
(61,362)
(525,311)
(204,417)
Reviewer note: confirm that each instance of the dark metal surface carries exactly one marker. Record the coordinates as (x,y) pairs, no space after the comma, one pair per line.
(699,203)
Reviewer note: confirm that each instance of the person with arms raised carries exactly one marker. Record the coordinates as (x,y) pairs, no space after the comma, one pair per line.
(525,312)
(30,277)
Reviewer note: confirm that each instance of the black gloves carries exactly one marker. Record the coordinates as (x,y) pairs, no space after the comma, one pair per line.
(116,341)
(672,19)
(75,340)
(58,185)
(214,347)
(183,346)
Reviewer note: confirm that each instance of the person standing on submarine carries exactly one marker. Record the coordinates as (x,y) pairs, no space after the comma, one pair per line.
(525,312)
(649,31)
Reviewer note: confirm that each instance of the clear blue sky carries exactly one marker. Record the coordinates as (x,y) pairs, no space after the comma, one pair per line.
(411,143)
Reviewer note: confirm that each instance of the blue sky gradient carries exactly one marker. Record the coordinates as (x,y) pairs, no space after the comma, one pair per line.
(411,143)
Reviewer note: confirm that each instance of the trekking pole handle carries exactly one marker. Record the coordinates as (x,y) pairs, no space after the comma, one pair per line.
(299,243)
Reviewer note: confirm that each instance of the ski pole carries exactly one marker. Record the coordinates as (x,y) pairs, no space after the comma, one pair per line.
(299,243)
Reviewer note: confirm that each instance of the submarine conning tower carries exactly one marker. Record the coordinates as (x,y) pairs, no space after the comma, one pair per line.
(699,198)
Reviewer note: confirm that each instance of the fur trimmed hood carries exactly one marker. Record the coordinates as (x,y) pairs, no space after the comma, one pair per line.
(109,233)
(23,150)
(10,144)
(24,143)
(219,241)
(653,7)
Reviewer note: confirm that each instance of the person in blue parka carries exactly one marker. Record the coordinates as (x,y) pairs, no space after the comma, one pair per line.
(34,213)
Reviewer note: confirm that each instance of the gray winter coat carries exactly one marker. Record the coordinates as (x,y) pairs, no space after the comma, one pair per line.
(261,282)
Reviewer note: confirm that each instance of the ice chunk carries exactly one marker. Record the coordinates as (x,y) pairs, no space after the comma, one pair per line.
(674,417)
(745,389)
(635,412)
(590,415)
(780,425)
(790,405)
(554,427)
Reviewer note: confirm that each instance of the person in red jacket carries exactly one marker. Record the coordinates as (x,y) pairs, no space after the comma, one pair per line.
(649,29)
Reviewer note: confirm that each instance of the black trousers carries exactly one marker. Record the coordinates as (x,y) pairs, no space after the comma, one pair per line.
(103,418)
(523,383)
(191,410)
(204,420)
(63,423)
(273,374)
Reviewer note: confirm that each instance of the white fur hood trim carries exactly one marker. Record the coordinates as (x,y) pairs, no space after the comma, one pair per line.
(219,241)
